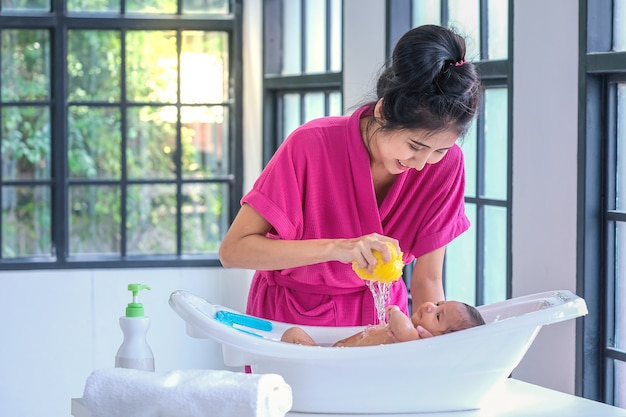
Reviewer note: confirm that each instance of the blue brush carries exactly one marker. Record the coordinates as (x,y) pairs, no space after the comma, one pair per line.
(229,318)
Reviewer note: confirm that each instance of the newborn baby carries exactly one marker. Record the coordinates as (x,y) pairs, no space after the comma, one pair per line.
(430,319)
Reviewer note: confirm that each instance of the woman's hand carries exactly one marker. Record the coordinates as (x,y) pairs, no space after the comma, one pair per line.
(360,249)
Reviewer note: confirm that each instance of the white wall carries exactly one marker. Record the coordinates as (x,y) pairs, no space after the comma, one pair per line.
(58,326)
(252,93)
(545,122)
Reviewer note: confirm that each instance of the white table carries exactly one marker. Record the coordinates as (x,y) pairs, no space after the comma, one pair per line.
(511,399)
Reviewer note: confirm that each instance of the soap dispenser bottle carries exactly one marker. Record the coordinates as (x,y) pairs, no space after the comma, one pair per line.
(134,352)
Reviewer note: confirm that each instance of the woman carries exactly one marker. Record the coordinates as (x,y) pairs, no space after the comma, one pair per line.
(338,188)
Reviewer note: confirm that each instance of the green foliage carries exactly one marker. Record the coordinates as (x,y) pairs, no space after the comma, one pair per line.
(26,223)
(26,142)
(94,219)
(94,147)
(25,65)
(94,65)
(93,5)
(160,144)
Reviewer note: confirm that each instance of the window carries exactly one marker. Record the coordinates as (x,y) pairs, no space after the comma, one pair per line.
(120,140)
(302,65)
(487,146)
(602,208)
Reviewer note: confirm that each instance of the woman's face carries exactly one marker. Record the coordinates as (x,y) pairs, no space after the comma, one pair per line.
(401,150)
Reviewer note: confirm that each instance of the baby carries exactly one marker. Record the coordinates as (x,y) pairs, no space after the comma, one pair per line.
(430,319)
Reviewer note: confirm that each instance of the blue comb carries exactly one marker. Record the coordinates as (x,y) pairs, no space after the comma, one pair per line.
(231,319)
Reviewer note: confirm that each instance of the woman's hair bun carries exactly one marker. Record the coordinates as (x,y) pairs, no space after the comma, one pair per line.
(429,84)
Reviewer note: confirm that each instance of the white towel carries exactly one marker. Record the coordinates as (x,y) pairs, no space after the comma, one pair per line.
(121,392)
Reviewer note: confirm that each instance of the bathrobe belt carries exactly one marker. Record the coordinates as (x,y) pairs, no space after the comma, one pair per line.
(320,289)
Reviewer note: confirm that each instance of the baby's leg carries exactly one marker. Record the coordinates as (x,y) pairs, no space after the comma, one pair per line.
(298,336)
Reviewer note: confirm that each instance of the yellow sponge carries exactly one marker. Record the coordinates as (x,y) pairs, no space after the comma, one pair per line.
(385,272)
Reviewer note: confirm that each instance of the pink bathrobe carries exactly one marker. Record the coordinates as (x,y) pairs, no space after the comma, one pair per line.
(319,185)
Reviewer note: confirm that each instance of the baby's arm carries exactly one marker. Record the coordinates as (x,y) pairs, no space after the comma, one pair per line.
(400,325)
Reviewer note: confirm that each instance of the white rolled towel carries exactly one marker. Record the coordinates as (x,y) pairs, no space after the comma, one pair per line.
(120,392)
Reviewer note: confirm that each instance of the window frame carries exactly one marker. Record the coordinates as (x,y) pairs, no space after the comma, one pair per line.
(276,85)
(493,74)
(58,22)
(599,71)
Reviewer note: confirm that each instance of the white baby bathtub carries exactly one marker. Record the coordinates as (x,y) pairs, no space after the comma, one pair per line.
(445,373)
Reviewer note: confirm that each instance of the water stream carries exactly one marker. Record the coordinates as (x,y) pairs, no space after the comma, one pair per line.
(380,291)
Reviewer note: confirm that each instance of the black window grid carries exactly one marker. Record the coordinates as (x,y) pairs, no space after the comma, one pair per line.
(494,74)
(601,69)
(58,22)
(276,85)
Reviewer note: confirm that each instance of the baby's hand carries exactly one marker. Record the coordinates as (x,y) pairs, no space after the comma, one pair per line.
(392,336)
(391,308)
(423,333)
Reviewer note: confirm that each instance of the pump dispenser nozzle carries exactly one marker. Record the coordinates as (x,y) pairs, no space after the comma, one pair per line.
(135,309)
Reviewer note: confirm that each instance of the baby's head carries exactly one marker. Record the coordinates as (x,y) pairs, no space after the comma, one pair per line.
(446,317)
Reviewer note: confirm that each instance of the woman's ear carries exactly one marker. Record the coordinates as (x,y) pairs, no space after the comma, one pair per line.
(378,109)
